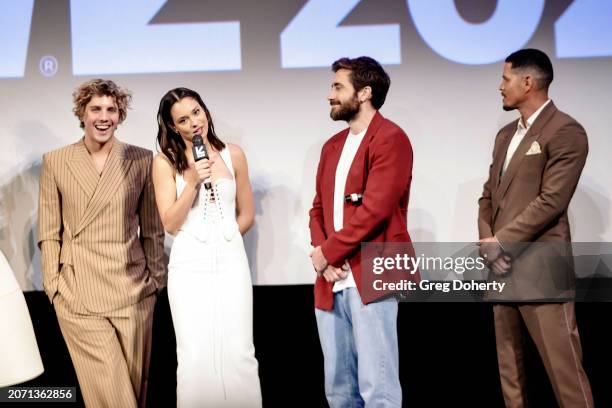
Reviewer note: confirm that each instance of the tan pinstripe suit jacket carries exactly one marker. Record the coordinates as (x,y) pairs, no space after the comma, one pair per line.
(106,227)
(529,202)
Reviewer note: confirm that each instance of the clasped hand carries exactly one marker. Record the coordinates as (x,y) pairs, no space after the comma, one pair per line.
(329,272)
(499,262)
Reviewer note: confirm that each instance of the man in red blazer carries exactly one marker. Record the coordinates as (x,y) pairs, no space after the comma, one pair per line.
(362,188)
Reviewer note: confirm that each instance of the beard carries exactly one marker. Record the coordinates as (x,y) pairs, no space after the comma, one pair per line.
(509,106)
(345,110)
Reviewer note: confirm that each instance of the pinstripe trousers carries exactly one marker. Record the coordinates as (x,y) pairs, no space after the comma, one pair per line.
(110,351)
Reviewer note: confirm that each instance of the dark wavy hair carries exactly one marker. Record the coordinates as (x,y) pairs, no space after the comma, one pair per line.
(366,71)
(170,142)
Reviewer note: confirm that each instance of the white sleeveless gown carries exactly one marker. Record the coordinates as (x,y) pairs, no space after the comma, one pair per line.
(210,294)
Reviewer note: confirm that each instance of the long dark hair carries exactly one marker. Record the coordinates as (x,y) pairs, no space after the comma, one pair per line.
(171,142)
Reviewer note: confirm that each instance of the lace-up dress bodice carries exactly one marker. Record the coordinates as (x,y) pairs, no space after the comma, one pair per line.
(208,215)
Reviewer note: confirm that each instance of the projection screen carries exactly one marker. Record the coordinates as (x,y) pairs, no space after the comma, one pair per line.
(263,68)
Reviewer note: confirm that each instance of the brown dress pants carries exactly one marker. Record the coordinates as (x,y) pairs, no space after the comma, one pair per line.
(552,326)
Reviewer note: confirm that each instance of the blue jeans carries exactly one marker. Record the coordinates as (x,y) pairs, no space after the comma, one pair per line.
(361,359)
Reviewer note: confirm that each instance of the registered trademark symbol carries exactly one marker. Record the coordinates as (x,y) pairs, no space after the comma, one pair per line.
(48,65)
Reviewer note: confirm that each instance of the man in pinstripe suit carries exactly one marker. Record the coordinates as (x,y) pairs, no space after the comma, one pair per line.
(101,241)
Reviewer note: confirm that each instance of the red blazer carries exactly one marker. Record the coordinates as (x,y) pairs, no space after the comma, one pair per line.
(382,172)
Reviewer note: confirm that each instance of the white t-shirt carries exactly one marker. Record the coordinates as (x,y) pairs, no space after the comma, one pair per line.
(344,164)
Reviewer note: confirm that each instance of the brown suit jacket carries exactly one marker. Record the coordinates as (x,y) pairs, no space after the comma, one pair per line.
(529,202)
(106,227)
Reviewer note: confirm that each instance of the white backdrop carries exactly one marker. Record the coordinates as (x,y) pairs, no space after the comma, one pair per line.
(450,109)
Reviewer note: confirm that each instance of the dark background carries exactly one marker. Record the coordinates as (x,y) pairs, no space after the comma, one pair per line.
(447,352)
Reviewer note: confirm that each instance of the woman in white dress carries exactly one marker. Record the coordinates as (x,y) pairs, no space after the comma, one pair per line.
(209,282)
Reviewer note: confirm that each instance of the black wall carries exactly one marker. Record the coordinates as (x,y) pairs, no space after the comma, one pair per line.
(447,352)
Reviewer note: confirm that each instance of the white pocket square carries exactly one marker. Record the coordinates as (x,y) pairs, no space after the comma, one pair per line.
(534,149)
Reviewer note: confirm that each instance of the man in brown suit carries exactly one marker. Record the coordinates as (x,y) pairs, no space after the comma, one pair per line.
(101,241)
(525,235)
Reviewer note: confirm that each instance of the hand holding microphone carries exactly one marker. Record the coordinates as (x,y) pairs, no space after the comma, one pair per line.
(202,165)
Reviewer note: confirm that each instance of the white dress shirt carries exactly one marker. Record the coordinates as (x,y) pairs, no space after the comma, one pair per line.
(344,164)
(521,130)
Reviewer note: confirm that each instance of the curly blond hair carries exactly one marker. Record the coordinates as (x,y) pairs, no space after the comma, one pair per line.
(100,87)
